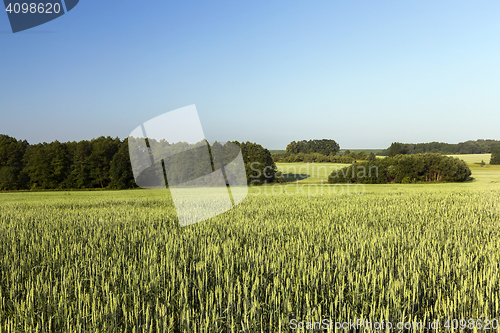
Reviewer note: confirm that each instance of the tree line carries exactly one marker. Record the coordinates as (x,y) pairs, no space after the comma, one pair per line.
(346,157)
(417,168)
(323,146)
(98,163)
(324,150)
(318,151)
(467,147)
(186,163)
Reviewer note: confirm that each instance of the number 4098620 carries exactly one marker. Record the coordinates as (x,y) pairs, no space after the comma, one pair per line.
(40,8)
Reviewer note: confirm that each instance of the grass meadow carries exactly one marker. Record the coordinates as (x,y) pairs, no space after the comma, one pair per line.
(307,172)
(117,261)
(474,158)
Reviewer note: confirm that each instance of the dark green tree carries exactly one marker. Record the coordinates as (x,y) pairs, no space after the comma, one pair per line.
(81,166)
(495,157)
(60,164)
(323,146)
(398,148)
(467,147)
(103,150)
(48,165)
(11,163)
(361,155)
(259,165)
(120,171)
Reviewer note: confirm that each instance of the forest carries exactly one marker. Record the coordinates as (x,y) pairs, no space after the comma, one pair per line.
(318,151)
(102,163)
(467,147)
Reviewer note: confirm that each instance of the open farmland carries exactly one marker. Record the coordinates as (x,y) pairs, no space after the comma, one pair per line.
(117,261)
(471,159)
(307,172)
(316,173)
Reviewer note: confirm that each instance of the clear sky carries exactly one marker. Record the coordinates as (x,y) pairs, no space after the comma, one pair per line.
(365,73)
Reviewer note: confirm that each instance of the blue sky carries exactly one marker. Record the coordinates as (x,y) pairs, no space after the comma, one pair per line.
(365,73)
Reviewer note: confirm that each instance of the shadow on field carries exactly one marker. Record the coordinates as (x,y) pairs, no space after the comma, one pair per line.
(294,177)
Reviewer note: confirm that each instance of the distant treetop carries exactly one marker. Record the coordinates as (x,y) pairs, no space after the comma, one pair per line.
(468,147)
(324,146)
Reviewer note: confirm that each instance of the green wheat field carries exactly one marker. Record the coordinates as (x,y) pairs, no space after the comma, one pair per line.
(117,261)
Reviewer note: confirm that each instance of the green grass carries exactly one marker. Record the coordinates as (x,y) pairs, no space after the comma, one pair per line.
(308,172)
(474,158)
(487,174)
(117,261)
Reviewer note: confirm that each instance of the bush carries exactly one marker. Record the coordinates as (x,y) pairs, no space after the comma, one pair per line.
(404,169)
